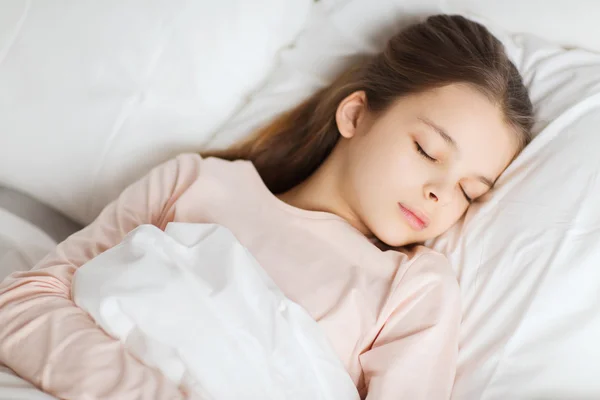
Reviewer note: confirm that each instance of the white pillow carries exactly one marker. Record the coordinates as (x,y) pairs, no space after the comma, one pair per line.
(527,259)
(571,23)
(94,93)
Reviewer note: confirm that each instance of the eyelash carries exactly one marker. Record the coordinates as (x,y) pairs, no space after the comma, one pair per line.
(424,154)
(469,200)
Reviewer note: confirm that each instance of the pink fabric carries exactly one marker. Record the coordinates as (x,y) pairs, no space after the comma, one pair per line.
(392,317)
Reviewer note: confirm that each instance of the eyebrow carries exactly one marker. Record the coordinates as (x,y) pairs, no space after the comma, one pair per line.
(448,139)
(485,181)
(441,131)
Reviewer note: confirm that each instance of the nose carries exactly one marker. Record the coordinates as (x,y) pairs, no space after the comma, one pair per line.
(438,193)
(433,196)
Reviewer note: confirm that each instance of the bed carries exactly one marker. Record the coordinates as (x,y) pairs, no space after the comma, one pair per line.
(90,122)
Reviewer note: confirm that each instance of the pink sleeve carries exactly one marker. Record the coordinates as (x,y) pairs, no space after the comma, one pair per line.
(46,339)
(414,355)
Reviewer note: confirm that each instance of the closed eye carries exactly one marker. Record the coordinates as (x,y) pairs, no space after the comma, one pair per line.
(469,200)
(424,153)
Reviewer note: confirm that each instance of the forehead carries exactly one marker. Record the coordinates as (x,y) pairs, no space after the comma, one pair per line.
(486,143)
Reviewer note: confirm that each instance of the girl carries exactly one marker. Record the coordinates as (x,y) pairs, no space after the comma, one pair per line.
(390,154)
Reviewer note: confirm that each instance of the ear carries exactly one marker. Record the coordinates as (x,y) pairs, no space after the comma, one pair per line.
(350,112)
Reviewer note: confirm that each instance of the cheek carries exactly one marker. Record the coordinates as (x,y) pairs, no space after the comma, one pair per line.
(410,173)
(447,217)
(387,167)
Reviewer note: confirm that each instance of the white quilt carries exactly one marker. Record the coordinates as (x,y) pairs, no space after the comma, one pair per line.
(194,303)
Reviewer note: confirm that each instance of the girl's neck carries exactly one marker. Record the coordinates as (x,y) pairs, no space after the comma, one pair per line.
(322,191)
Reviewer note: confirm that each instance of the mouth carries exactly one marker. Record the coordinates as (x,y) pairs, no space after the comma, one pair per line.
(416,219)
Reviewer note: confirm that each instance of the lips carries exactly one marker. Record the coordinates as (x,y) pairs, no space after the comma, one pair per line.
(416,219)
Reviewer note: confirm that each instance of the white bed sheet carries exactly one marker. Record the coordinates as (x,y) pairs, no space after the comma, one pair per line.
(22,244)
(14,388)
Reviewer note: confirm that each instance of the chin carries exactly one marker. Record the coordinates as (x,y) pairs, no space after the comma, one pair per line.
(394,237)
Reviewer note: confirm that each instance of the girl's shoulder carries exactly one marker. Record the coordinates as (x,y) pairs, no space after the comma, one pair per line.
(420,266)
(193,164)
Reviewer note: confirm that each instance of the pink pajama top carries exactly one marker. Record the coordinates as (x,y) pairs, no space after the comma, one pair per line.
(392,317)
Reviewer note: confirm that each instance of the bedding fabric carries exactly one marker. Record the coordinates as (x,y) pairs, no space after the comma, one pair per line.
(95,93)
(527,256)
(14,388)
(22,245)
(54,224)
(194,303)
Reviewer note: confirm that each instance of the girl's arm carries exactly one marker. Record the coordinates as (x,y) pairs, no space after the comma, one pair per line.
(46,339)
(414,356)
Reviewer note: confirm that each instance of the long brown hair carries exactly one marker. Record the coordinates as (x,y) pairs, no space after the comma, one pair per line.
(443,49)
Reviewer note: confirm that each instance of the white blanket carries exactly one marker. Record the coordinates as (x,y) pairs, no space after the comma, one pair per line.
(193,302)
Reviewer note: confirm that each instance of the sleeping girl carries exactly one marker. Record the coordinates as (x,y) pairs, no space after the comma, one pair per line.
(332,199)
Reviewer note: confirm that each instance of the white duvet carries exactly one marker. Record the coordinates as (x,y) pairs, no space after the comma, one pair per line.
(194,303)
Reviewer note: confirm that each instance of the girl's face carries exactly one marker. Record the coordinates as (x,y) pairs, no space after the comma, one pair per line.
(411,171)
